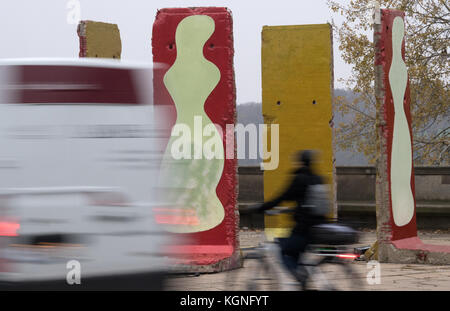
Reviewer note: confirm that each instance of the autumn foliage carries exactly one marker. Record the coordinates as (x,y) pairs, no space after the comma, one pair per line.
(427,57)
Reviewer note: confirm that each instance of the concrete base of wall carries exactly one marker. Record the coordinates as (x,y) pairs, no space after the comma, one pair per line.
(414,251)
(234,262)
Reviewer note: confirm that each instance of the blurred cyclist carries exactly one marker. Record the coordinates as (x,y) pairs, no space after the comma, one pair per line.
(305,217)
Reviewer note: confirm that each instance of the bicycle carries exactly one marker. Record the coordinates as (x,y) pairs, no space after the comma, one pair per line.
(328,266)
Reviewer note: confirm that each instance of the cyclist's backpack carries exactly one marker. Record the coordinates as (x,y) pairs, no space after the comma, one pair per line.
(334,234)
(317,200)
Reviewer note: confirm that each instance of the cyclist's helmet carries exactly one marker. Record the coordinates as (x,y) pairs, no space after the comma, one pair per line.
(306,157)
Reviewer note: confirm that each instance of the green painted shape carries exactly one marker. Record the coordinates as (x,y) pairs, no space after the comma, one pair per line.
(401,156)
(190,81)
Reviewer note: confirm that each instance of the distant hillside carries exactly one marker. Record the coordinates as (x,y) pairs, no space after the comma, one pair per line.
(248,113)
(346,157)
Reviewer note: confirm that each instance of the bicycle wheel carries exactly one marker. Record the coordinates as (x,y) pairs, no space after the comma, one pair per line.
(257,273)
(332,274)
(263,276)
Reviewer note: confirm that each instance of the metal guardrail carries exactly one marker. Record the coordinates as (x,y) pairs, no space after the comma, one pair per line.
(371,170)
(359,170)
(433,214)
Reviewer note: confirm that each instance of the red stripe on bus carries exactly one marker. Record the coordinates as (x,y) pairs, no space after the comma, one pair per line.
(40,84)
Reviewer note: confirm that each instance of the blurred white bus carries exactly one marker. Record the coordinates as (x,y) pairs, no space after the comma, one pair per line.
(79,158)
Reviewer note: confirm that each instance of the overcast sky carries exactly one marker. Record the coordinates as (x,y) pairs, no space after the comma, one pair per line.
(39,28)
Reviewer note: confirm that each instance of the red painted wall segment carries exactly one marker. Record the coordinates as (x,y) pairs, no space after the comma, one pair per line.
(221,242)
(385,59)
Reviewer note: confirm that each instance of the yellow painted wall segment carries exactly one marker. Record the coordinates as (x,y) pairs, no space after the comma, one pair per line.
(99,40)
(297,84)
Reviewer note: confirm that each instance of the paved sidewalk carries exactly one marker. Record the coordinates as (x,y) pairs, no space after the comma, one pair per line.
(394,277)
